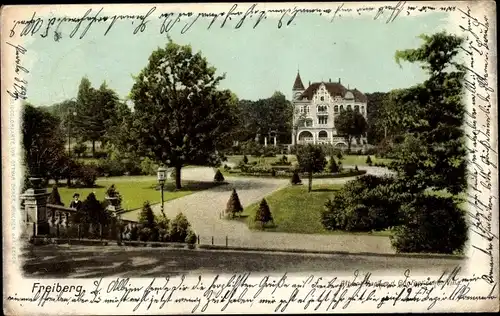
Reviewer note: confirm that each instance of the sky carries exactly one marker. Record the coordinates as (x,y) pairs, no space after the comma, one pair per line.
(257,61)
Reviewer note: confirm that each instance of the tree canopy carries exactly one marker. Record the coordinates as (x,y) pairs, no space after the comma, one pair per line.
(180,117)
(351,124)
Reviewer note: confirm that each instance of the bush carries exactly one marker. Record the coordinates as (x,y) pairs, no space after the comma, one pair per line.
(356,168)
(163,235)
(295,178)
(100,154)
(233,206)
(364,204)
(269,152)
(86,175)
(245,159)
(339,155)
(369,161)
(191,237)
(145,234)
(432,224)
(226,167)
(263,214)
(79,149)
(92,211)
(332,166)
(179,228)
(134,233)
(54,197)
(218,176)
(111,167)
(147,217)
(131,166)
(148,167)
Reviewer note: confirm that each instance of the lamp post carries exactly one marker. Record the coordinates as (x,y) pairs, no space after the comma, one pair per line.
(162,175)
(69,142)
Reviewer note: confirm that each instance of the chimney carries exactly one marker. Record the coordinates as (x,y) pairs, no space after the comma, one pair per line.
(339,80)
(309,82)
(330,80)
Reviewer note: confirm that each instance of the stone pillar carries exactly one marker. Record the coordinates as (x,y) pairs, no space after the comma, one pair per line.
(294,136)
(274,141)
(35,207)
(265,141)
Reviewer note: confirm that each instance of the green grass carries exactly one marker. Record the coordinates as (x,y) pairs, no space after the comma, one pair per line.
(297,211)
(135,190)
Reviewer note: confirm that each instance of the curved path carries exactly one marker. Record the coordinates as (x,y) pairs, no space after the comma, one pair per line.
(203,211)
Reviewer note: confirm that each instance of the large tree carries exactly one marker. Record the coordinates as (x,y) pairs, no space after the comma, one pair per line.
(431,114)
(43,143)
(180,117)
(273,114)
(432,154)
(95,111)
(351,125)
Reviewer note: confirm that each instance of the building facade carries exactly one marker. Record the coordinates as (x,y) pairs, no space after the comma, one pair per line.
(315,108)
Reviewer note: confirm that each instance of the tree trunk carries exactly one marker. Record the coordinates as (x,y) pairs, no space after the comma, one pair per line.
(178,177)
(93,148)
(310,181)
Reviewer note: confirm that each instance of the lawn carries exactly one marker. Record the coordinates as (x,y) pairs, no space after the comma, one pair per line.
(135,190)
(296,211)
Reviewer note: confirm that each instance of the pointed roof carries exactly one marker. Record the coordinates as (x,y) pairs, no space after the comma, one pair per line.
(297,85)
(335,89)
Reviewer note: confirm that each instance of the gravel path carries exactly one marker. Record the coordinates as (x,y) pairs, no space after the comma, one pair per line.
(203,210)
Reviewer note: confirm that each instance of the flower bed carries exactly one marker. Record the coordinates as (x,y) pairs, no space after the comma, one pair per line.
(286,174)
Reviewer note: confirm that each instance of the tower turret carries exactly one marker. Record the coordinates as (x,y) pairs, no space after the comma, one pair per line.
(298,87)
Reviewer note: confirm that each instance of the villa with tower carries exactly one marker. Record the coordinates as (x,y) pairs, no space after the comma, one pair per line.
(315,108)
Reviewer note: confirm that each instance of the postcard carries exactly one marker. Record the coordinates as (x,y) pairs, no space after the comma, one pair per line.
(223,158)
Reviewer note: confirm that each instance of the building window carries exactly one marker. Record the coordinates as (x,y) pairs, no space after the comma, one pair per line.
(363,109)
(308,123)
(356,108)
(336,109)
(349,107)
(322,108)
(304,109)
(322,120)
(322,98)
(341,108)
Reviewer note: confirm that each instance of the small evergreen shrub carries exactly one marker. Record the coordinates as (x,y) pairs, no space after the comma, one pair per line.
(263,215)
(234,206)
(218,176)
(179,228)
(191,237)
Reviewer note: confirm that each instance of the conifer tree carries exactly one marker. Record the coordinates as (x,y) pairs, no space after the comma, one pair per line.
(147,217)
(263,214)
(218,176)
(332,166)
(234,205)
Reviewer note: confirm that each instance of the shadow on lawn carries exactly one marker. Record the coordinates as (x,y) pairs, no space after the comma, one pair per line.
(324,190)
